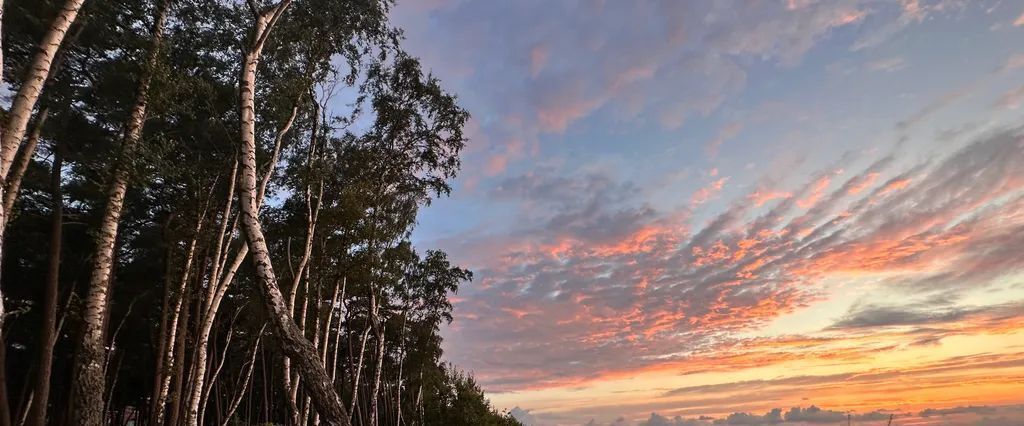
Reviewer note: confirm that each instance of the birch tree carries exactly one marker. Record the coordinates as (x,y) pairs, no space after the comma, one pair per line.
(89,374)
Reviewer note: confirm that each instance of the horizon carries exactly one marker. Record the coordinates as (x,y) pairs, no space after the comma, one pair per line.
(707,208)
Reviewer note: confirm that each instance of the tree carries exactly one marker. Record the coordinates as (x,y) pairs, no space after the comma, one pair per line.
(90,361)
(170,164)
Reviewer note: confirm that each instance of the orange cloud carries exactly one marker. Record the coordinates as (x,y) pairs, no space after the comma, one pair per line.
(704,194)
(863,184)
(816,192)
(760,197)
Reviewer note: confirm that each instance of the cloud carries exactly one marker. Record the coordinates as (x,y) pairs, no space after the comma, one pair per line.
(814,414)
(525,417)
(887,64)
(770,418)
(942,102)
(659,420)
(875,316)
(930,412)
(530,78)
(911,12)
(1014,62)
(624,287)
(1011,99)
(704,194)
(725,133)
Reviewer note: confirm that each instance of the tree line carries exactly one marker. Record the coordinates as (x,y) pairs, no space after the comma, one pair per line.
(206,217)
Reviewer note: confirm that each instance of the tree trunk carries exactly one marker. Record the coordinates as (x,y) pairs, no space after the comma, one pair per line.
(245,381)
(88,377)
(14,176)
(218,286)
(175,332)
(216,372)
(358,369)
(376,379)
(178,375)
(14,131)
(18,172)
(47,333)
(159,370)
(32,87)
(317,383)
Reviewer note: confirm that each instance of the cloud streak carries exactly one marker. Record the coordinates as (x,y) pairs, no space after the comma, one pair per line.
(624,287)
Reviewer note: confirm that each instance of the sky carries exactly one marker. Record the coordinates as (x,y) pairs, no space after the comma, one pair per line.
(742,212)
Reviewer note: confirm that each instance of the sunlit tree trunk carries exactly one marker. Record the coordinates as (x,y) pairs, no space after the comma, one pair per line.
(12,133)
(88,377)
(293,343)
(28,94)
(17,171)
(21,165)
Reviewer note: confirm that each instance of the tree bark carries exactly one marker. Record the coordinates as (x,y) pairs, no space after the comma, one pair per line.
(14,131)
(178,375)
(358,369)
(28,93)
(159,370)
(171,362)
(245,382)
(88,377)
(18,172)
(14,176)
(376,379)
(317,383)
(47,333)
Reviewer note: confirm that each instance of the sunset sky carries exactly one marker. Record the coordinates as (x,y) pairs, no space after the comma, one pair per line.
(719,208)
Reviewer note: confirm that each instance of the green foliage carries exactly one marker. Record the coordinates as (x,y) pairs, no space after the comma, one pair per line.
(459,401)
(365,167)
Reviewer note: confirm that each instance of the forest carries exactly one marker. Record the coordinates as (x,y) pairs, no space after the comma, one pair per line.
(207,210)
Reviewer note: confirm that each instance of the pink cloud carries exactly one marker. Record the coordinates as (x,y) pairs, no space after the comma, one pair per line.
(702,195)
(538,58)
(728,132)
(816,192)
(760,197)
(1011,99)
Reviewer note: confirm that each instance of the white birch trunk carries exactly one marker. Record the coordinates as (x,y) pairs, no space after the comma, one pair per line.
(89,375)
(295,346)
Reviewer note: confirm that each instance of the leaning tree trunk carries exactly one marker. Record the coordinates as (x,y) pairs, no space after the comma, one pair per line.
(47,334)
(88,377)
(294,345)
(14,131)
(28,94)
(15,175)
(219,286)
(312,213)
